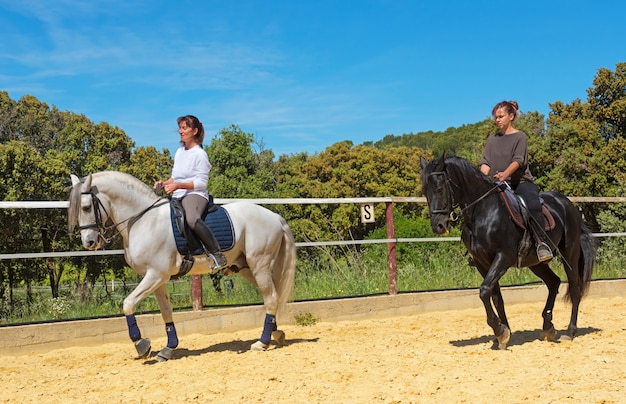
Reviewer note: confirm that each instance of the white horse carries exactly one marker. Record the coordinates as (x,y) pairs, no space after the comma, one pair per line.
(264,248)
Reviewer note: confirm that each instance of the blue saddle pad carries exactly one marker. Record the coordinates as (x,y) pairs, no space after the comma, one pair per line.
(220,224)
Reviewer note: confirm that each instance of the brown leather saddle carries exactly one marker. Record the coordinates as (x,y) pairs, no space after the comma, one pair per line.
(514,206)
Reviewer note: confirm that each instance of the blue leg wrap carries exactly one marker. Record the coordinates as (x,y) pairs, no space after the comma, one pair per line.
(133,329)
(268,327)
(172,338)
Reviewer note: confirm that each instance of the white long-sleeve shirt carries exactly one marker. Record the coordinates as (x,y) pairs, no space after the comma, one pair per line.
(191,165)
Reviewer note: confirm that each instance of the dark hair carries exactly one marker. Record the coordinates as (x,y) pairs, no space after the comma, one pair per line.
(193,123)
(511,107)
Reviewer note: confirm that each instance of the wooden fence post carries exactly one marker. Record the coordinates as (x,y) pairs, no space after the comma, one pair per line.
(196,292)
(391,249)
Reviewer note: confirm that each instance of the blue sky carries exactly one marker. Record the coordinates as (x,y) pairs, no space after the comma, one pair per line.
(302,75)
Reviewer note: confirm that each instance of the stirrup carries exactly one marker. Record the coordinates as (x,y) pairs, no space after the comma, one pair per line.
(218,261)
(543,252)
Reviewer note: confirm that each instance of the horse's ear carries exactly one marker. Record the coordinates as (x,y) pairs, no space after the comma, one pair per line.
(441,163)
(75,180)
(423,162)
(88,183)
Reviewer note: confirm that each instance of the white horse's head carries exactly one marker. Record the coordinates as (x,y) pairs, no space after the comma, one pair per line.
(86,210)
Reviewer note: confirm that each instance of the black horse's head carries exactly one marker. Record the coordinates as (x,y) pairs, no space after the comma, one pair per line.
(436,188)
(449,182)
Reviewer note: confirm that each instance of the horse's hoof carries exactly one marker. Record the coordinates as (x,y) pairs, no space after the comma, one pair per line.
(504,338)
(164,354)
(279,337)
(259,346)
(143,347)
(548,335)
(566,337)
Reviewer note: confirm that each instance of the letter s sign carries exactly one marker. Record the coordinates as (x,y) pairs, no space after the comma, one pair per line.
(367,213)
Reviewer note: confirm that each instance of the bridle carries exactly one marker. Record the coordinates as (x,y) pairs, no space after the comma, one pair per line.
(450,204)
(448,195)
(96,204)
(98,224)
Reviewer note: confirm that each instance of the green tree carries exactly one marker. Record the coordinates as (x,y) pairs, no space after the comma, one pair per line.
(22,180)
(41,147)
(582,152)
(238,171)
(347,171)
(149,165)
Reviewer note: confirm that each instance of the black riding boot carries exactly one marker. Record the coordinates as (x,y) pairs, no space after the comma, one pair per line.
(543,250)
(211,246)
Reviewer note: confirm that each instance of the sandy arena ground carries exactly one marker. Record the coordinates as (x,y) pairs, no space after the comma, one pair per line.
(439,357)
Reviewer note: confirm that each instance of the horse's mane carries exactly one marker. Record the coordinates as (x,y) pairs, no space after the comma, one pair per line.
(467,171)
(72,210)
(117,177)
(127,179)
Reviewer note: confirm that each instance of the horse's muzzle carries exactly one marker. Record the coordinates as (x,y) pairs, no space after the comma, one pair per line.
(91,240)
(440,225)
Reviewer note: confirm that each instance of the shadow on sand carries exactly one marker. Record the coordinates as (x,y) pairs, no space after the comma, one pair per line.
(517,338)
(238,346)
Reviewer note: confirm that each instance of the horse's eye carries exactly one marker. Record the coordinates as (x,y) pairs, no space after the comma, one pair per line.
(86,208)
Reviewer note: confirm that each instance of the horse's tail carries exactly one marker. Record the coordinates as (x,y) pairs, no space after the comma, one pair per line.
(586,261)
(285,267)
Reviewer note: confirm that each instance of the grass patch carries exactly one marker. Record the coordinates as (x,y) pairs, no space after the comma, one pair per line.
(305,319)
(330,274)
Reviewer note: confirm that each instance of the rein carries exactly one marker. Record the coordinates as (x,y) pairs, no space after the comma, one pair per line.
(102,228)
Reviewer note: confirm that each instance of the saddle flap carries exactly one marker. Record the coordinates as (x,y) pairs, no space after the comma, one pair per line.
(215,216)
(178,214)
(514,205)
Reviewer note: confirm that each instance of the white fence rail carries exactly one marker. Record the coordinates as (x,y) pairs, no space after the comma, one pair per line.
(277,201)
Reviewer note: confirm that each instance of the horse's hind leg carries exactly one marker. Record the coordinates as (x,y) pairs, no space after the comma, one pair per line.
(552,282)
(575,294)
(261,276)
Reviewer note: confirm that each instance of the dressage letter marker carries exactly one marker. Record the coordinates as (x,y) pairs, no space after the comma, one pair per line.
(367,213)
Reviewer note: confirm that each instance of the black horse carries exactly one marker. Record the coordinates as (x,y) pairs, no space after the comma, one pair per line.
(493,239)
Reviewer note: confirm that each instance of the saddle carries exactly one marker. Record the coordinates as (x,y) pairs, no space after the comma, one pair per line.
(187,244)
(519,214)
(516,207)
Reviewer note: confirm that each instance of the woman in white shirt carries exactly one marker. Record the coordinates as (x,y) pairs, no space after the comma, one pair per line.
(190,176)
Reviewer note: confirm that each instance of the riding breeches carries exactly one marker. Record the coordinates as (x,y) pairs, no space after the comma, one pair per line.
(194,206)
(530,193)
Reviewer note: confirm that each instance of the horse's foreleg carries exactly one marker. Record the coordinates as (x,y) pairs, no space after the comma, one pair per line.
(147,285)
(498,302)
(500,330)
(490,290)
(166,312)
